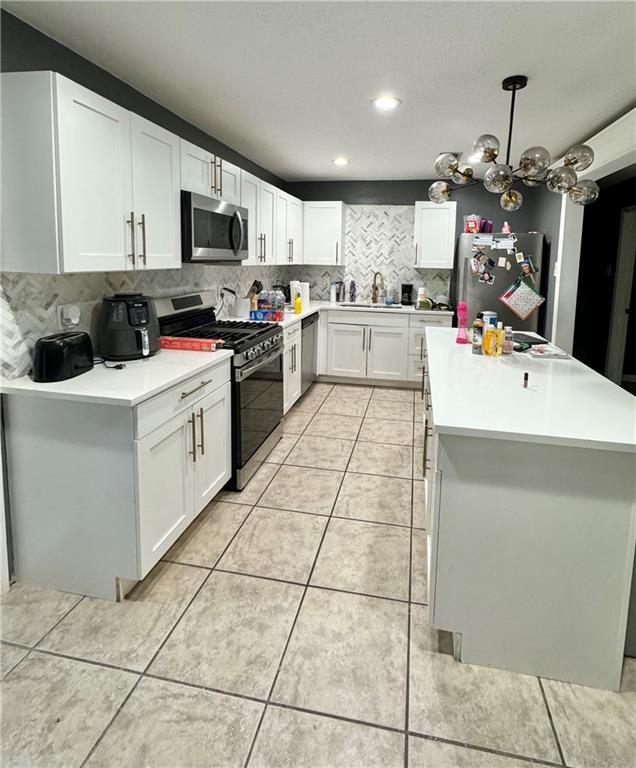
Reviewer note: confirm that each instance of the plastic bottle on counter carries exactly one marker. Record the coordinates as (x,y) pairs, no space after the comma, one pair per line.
(462,317)
(478,333)
(263,299)
(499,339)
(490,340)
(298,305)
(508,341)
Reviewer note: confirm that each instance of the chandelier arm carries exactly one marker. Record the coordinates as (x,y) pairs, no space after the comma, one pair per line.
(512,116)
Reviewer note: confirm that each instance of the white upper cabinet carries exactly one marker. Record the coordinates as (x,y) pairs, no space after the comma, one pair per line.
(250,191)
(323,232)
(156,178)
(434,236)
(229,178)
(266,223)
(80,177)
(197,169)
(289,217)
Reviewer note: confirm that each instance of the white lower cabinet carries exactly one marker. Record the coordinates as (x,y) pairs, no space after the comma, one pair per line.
(387,355)
(358,346)
(347,350)
(122,486)
(417,340)
(292,375)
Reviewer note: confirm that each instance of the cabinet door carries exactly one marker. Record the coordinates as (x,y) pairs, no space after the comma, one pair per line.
(213,465)
(250,189)
(346,350)
(295,229)
(196,168)
(164,471)
(296,377)
(435,235)
(323,228)
(95,180)
(267,223)
(156,183)
(288,372)
(283,244)
(388,352)
(230,179)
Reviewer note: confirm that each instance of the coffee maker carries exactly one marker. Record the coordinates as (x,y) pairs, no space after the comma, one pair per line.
(406,294)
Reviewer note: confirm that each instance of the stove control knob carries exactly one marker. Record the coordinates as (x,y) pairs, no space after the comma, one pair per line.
(250,354)
(258,350)
(278,338)
(267,344)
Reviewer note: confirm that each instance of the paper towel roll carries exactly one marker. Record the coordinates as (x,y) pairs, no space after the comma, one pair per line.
(304,294)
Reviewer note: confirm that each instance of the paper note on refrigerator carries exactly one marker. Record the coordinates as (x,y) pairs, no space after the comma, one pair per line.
(482,240)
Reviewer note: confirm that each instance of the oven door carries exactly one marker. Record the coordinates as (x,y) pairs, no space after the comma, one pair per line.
(212,230)
(257,413)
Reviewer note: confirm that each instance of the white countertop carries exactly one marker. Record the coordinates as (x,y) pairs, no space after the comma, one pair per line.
(317,306)
(138,381)
(566,403)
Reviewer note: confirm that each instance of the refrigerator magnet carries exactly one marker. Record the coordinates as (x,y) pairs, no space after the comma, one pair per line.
(502,261)
(519,257)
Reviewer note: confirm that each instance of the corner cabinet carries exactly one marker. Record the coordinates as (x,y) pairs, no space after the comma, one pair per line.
(434,235)
(86,185)
(323,236)
(135,488)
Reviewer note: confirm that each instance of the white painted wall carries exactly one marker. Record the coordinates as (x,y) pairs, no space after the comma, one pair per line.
(614,148)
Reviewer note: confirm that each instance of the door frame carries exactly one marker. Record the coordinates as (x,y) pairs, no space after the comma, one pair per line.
(614,149)
(621,296)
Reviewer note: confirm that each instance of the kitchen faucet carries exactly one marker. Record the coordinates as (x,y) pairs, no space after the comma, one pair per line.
(374,287)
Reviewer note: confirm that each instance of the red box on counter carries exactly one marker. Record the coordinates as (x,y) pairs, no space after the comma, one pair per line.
(191,345)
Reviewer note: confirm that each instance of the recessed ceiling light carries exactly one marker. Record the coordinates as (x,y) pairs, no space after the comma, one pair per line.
(386,103)
(340,161)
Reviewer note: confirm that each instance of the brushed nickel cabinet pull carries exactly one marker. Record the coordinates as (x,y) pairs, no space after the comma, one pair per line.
(290,250)
(422,348)
(416,253)
(196,389)
(370,332)
(193,451)
(336,251)
(202,443)
(364,338)
(264,246)
(220,177)
(213,179)
(142,224)
(131,221)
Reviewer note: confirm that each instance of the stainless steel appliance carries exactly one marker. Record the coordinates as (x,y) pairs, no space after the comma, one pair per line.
(257,374)
(62,356)
(406,295)
(481,296)
(309,351)
(128,327)
(212,231)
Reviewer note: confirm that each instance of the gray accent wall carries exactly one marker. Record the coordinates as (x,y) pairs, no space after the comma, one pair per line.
(24,49)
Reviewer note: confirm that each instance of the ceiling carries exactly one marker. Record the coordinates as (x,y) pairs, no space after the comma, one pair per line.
(288,84)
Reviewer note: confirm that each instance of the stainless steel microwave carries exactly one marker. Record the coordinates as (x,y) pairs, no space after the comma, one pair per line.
(212,231)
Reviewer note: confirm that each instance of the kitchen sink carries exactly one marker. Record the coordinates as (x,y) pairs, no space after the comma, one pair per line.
(369,306)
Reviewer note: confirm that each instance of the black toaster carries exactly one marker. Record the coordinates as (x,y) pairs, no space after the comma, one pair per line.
(62,356)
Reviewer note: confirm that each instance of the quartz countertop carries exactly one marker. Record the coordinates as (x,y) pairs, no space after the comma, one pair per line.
(138,381)
(566,403)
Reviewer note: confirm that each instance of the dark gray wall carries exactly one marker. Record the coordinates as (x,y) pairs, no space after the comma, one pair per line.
(23,48)
(473,199)
(546,218)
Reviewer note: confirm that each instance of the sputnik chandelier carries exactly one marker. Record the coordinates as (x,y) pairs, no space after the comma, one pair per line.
(532,171)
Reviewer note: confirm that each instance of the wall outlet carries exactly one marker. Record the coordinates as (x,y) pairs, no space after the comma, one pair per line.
(68,316)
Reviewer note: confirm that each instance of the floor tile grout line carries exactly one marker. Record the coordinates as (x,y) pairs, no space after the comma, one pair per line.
(408,628)
(57,623)
(552,723)
(340,718)
(295,621)
(487,750)
(6,673)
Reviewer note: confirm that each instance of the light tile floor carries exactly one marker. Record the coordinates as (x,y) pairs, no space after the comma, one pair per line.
(288,627)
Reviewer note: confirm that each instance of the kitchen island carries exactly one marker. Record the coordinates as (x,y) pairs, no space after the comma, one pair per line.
(531,494)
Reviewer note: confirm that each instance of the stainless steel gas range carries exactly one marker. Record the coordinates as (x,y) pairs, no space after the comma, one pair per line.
(257,374)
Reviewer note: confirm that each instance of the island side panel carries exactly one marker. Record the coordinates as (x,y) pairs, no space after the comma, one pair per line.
(534,555)
(72,494)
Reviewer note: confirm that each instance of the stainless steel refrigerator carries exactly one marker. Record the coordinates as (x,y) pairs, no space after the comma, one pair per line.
(481,296)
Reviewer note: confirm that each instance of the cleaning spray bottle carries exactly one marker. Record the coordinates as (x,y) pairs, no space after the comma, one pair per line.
(462,318)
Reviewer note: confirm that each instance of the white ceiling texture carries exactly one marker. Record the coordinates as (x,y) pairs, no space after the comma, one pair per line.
(288,84)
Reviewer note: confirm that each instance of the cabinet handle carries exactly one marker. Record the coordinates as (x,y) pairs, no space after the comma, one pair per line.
(193,451)
(196,389)
(264,246)
(364,338)
(336,251)
(142,224)
(202,443)
(290,250)
(370,332)
(131,221)
(423,375)
(415,254)
(213,169)
(220,177)
(422,348)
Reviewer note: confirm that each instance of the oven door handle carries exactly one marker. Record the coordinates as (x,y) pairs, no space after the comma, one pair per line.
(238,248)
(242,373)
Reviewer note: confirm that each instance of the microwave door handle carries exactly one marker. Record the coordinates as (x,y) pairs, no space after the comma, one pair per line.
(239,247)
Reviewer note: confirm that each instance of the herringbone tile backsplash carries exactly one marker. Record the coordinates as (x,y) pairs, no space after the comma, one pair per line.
(378,238)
